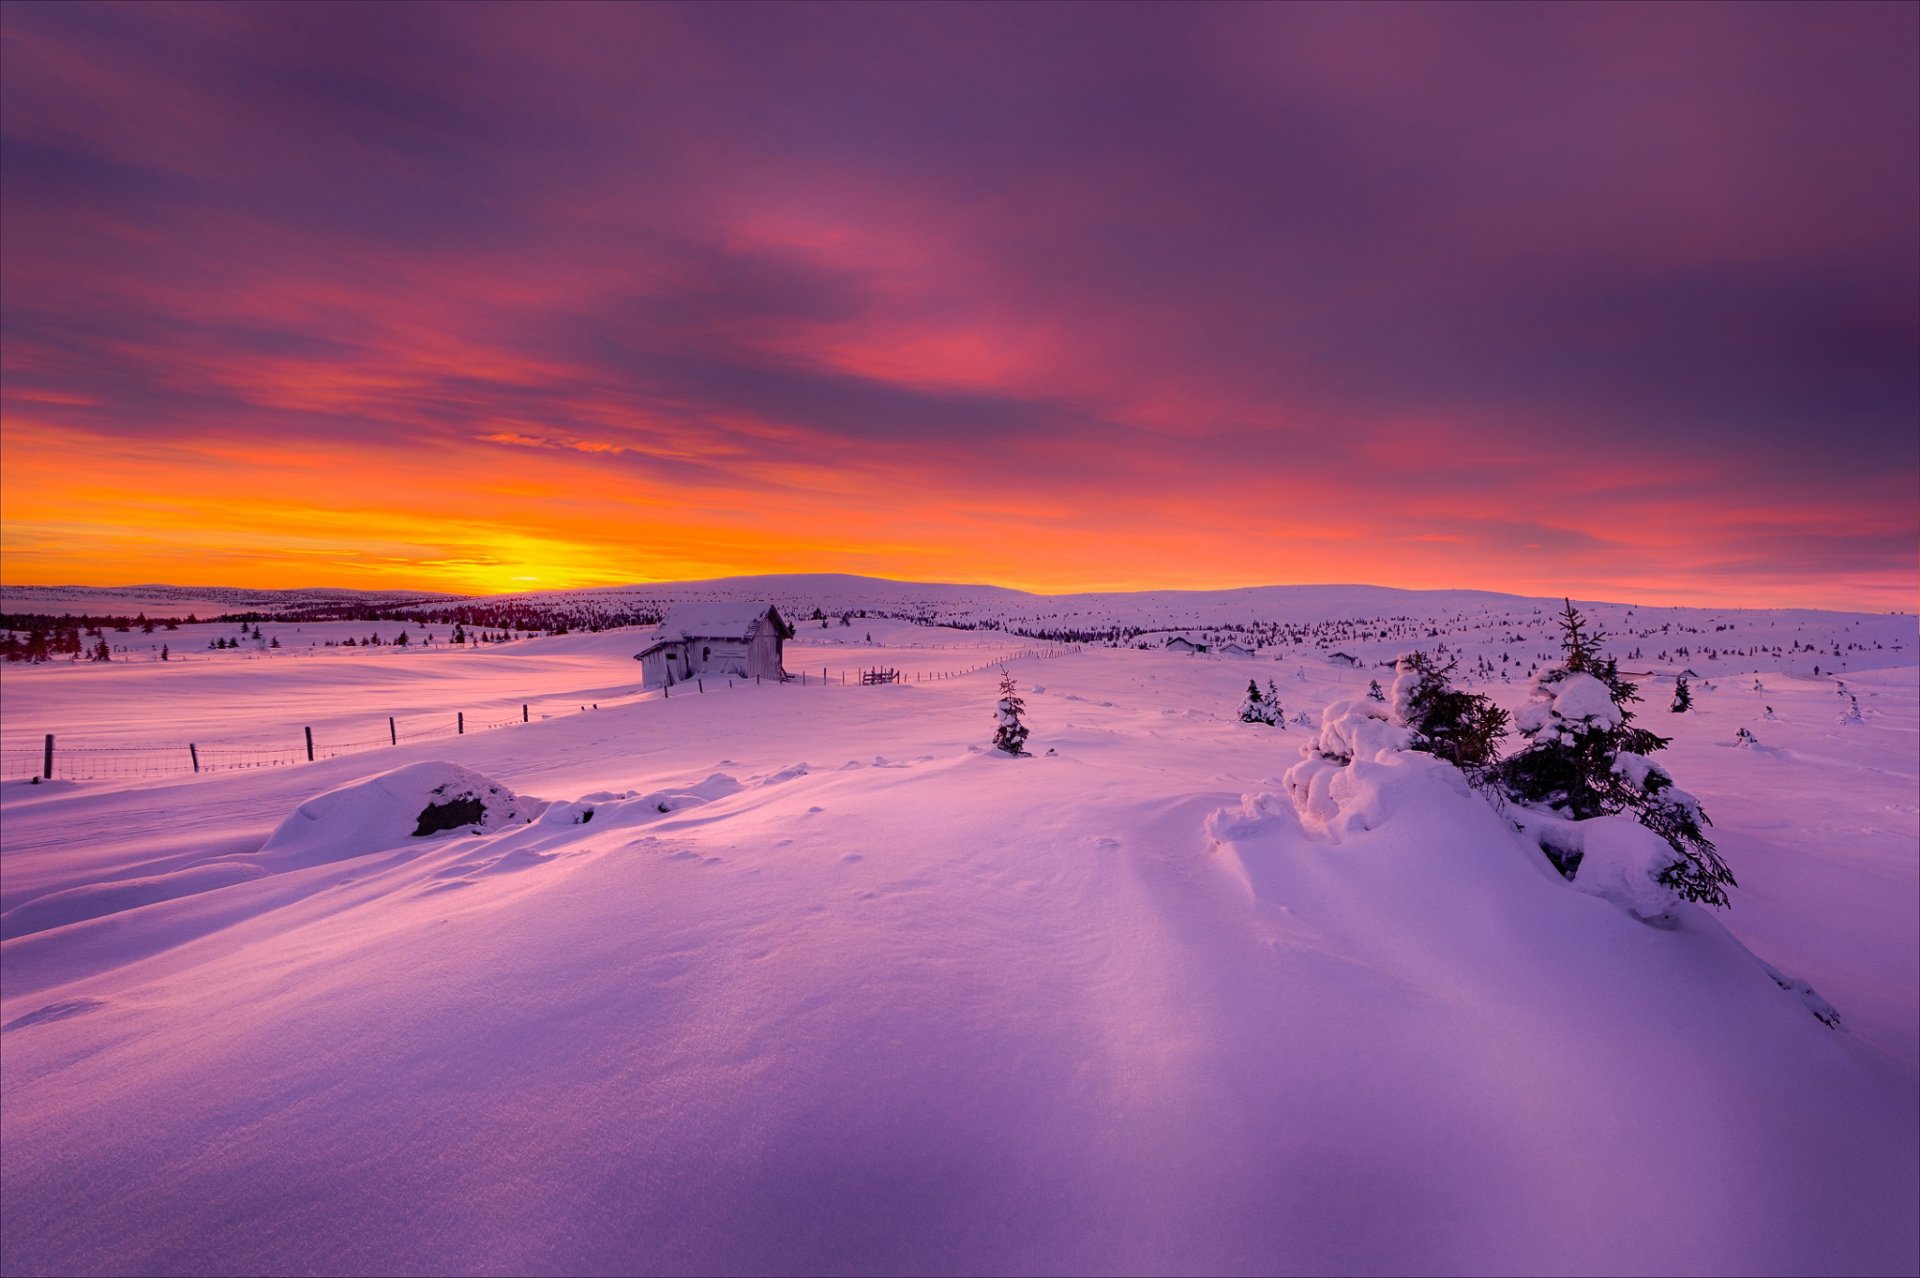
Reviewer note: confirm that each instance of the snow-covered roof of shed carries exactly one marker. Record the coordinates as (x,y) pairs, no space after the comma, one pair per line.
(716,621)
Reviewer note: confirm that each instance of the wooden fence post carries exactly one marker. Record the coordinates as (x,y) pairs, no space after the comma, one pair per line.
(700,685)
(309,732)
(393,733)
(523,713)
(460,723)
(194,750)
(46,763)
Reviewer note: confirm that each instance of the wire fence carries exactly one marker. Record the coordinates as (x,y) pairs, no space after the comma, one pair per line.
(54,759)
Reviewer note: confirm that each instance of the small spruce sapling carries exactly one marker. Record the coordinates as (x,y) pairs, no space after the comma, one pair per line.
(1374,692)
(1584,758)
(1682,696)
(1273,703)
(1256,708)
(1010,735)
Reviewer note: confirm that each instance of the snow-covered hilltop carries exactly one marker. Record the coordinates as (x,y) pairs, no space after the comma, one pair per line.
(810,977)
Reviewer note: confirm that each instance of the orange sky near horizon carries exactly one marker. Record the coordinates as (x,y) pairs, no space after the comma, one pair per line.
(238,517)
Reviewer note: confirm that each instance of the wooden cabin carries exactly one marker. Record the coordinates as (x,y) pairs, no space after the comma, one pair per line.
(1234,650)
(1180,643)
(716,640)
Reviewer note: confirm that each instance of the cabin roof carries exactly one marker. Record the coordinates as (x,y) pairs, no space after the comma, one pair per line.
(715,621)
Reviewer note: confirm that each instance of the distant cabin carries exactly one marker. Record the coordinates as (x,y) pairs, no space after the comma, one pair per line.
(1234,650)
(1181,644)
(743,640)
(1345,659)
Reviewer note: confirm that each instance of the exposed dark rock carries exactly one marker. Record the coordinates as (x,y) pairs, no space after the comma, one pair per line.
(451,814)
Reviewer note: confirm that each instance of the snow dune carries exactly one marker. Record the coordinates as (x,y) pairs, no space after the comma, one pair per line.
(807,980)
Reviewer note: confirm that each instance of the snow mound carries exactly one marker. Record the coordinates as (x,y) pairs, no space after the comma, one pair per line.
(718,786)
(390,809)
(1622,861)
(1360,770)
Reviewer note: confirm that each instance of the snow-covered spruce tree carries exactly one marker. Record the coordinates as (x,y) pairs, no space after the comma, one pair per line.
(1256,708)
(1011,734)
(1279,718)
(1682,696)
(1463,728)
(1584,758)
(1374,692)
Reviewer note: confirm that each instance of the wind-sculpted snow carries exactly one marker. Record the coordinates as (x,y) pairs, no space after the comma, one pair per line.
(91,900)
(814,980)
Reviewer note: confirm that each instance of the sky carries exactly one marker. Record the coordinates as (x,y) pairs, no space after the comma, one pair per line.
(1621,301)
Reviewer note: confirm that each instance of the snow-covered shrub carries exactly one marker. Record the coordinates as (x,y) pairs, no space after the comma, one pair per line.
(1852,713)
(1463,728)
(1010,734)
(1346,771)
(1745,739)
(1256,708)
(1585,759)
(1374,692)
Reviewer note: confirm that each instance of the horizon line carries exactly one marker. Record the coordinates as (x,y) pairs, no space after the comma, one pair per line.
(905,581)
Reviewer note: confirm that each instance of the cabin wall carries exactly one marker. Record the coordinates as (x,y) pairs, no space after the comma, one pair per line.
(718,656)
(764,653)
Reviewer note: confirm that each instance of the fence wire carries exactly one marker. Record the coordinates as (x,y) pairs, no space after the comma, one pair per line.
(116,763)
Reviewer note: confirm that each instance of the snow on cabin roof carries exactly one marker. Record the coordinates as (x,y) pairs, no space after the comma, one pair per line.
(715,621)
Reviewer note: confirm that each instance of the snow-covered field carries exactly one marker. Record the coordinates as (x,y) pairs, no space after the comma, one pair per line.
(806,979)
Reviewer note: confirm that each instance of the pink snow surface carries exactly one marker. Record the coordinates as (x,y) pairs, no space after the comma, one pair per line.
(788,979)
